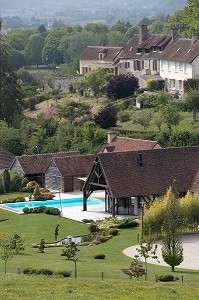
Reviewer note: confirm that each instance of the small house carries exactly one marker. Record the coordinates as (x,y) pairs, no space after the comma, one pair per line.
(68,173)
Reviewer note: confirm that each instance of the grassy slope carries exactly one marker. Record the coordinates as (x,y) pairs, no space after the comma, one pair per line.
(88,285)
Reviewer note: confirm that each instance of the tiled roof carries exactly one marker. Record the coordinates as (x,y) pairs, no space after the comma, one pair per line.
(92,53)
(129,144)
(181,50)
(130,52)
(6,158)
(125,176)
(78,165)
(37,163)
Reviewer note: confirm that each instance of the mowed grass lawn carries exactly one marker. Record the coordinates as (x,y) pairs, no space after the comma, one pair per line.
(89,284)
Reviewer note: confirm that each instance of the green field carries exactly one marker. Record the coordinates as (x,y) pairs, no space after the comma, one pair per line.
(89,284)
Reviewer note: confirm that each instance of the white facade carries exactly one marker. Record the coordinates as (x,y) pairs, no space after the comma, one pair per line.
(175,73)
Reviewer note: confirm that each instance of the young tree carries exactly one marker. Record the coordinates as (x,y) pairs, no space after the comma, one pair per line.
(172,249)
(42,246)
(147,249)
(72,110)
(10,246)
(6,177)
(95,80)
(121,86)
(192,101)
(143,118)
(170,114)
(106,117)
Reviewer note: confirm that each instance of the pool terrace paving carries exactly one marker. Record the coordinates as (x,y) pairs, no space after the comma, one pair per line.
(94,212)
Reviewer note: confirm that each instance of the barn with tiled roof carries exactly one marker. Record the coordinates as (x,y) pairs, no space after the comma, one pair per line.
(34,166)
(65,173)
(127,176)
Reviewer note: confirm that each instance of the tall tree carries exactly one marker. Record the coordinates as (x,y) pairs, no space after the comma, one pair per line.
(172,249)
(33,49)
(121,86)
(170,114)
(192,101)
(191,16)
(10,93)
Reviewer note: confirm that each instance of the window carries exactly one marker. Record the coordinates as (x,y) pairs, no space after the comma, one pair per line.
(180,85)
(180,66)
(176,66)
(100,56)
(186,68)
(155,65)
(136,65)
(127,64)
(172,84)
(169,66)
(139,50)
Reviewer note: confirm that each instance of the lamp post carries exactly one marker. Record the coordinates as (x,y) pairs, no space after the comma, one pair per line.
(142,218)
(60,201)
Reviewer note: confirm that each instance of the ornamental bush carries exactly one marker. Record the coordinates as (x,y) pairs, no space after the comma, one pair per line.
(99,256)
(166,277)
(62,273)
(113,231)
(15,182)
(31,186)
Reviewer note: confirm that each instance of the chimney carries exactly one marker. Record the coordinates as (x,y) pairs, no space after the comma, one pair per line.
(143,33)
(110,137)
(174,34)
(194,38)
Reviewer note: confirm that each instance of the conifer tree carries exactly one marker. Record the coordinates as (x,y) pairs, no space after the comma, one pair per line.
(10,93)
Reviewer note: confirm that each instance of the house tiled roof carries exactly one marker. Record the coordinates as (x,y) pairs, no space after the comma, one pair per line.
(181,50)
(6,158)
(150,172)
(78,165)
(130,52)
(37,163)
(92,53)
(120,144)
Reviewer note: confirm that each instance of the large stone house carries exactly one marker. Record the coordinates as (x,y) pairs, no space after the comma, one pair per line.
(178,62)
(127,176)
(98,57)
(167,58)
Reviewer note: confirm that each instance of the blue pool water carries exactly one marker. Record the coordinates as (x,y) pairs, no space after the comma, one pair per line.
(53,203)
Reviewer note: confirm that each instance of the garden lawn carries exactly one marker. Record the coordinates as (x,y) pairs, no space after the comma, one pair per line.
(34,227)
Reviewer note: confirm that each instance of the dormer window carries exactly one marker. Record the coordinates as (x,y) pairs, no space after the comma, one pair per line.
(155,48)
(139,50)
(146,50)
(101,55)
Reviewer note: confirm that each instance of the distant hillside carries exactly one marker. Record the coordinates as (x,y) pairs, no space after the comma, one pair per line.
(89,10)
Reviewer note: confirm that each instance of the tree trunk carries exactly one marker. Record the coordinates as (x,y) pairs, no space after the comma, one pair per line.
(172,268)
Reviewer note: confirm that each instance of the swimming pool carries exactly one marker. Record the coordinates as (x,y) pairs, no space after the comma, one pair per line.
(64,203)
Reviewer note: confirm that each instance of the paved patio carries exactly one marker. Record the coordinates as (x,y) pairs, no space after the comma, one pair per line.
(94,212)
(190,253)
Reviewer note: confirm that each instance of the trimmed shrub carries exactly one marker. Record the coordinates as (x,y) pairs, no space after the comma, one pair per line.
(26,210)
(166,277)
(93,228)
(62,273)
(113,231)
(24,183)
(36,191)
(38,210)
(44,272)
(31,186)
(15,182)
(128,223)
(39,198)
(52,211)
(87,221)
(99,256)
(6,177)
(29,271)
